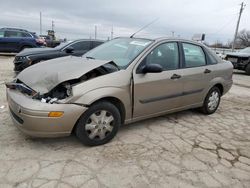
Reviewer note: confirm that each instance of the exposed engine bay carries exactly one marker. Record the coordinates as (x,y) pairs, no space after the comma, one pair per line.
(62,90)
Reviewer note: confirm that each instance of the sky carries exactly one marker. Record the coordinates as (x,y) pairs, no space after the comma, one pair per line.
(78,18)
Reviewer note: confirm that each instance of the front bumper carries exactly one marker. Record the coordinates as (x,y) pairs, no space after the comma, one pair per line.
(31,116)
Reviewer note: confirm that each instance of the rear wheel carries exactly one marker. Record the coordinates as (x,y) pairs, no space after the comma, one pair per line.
(212,101)
(248,69)
(99,124)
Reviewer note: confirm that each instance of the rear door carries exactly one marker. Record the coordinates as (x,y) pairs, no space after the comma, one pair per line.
(194,71)
(156,93)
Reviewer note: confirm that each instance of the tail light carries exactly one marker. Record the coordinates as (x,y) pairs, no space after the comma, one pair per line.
(40,41)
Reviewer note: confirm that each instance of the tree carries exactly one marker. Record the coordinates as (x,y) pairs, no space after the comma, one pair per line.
(243,38)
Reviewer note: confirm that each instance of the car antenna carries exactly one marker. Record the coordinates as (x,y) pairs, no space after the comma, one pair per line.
(144,27)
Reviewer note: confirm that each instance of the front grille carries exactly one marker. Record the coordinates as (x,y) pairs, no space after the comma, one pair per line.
(16,117)
(17,58)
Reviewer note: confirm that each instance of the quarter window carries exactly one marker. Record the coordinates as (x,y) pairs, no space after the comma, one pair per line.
(211,59)
(165,55)
(194,55)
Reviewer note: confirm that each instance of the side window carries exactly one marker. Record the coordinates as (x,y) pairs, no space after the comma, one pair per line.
(96,43)
(1,34)
(166,55)
(11,34)
(194,55)
(83,45)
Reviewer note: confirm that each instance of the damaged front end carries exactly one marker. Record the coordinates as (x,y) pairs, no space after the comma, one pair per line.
(62,91)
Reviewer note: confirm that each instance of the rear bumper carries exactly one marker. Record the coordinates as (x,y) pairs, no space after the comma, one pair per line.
(227,86)
(31,116)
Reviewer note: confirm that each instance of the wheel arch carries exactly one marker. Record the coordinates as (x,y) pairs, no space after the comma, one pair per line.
(220,87)
(113,100)
(118,104)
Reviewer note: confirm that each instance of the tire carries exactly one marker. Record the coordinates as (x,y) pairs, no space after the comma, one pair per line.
(93,130)
(248,69)
(211,104)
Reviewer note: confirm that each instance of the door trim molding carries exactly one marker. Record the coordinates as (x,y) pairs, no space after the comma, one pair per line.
(154,99)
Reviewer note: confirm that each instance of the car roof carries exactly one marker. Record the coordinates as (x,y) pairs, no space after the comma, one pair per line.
(159,39)
(13,29)
(78,40)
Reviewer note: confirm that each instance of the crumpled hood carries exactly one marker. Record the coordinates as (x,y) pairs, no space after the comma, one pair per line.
(44,76)
(239,54)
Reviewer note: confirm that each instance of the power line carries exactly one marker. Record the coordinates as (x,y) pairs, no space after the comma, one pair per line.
(223,27)
(40,23)
(238,23)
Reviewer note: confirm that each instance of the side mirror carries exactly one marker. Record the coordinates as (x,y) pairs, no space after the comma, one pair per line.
(69,50)
(151,68)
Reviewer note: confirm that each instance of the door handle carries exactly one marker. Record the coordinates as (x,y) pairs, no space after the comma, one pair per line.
(175,76)
(206,71)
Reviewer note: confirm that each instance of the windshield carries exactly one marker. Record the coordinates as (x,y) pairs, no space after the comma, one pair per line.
(245,50)
(121,51)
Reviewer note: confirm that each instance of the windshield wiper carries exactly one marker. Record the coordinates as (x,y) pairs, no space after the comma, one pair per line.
(88,57)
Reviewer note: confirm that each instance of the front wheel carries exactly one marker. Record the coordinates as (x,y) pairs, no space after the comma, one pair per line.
(99,124)
(212,101)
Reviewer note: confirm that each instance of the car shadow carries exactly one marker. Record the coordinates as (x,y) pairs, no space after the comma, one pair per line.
(72,141)
(172,118)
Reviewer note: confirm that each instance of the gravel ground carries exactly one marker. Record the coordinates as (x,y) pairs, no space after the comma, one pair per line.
(185,149)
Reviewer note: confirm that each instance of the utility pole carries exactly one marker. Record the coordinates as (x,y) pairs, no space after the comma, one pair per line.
(172,33)
(238,23)
(53,25)
(40,23)
(95,31)
(112,33)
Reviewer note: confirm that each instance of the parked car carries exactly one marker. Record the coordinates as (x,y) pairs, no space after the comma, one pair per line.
(240,60)
(32,56)
(122,81)
(15,40)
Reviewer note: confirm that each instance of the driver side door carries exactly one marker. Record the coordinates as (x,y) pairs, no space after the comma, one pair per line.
(157,93)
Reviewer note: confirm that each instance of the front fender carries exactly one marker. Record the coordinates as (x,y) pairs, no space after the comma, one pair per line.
(121,94)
